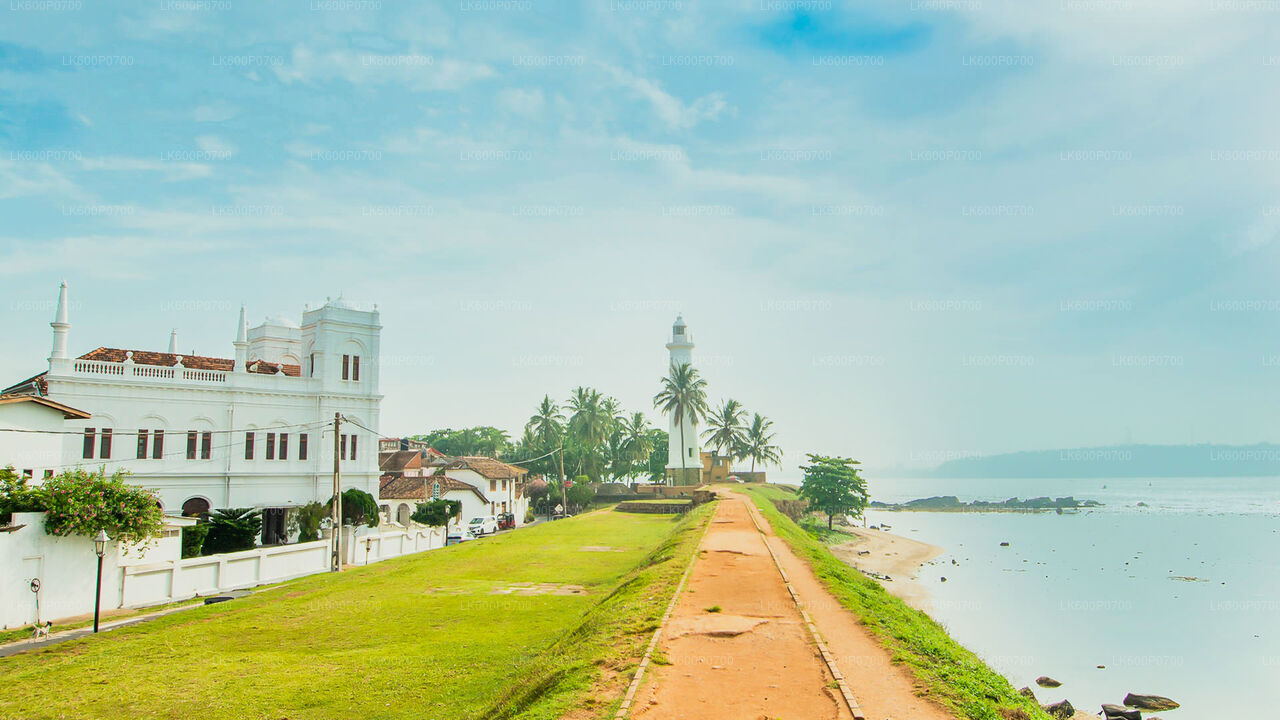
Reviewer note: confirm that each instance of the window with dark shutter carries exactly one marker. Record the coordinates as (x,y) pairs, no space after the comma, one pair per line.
(353,447)
(206,445)
(342,448)
(104,447)
(284,446)
(248,446)
(302,446)
(191,444)
(90,438)
(142,444)
(346,367)
(355,367)
(157,444)
(271,446)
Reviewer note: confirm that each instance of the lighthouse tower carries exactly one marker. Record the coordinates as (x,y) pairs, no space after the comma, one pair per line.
(684,458)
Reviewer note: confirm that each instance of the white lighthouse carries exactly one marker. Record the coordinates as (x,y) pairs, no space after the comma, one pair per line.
(684,457)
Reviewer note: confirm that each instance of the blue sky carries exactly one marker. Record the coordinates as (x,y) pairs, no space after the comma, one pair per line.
(904,230)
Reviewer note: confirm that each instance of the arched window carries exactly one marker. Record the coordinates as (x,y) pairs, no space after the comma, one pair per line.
(402,514)
(195,507)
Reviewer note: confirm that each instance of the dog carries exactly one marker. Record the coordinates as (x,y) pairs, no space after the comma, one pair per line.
(41,631)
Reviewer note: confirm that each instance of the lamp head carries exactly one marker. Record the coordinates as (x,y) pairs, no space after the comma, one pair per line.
(100,543)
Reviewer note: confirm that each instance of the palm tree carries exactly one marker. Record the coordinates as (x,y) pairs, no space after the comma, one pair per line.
(725,429)
(758,443)
(591,422)
(683,395)
(547,424)
(637,443)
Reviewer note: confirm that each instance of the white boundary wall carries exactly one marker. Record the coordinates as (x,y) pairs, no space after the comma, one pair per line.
(66,567)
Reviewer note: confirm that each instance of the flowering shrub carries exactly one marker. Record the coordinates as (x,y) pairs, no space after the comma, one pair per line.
(79,502)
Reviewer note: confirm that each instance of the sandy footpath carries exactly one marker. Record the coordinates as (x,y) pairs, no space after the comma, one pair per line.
(736,646)
(887,554)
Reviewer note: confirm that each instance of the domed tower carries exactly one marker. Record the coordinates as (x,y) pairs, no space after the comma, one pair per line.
(684,457)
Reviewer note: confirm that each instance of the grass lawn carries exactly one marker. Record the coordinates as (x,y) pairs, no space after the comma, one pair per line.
(422,636)
(950,673)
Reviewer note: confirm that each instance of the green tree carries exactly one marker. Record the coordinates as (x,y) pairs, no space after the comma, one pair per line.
(591,422)
(637,443)
(683,395)
(232,530)
(833,486)
(656,466)
(758,443)
(725,430)
(436,513)
(480,440)
(307,518)
(358,508)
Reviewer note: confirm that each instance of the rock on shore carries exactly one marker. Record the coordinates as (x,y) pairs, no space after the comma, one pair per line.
(1119,711)
(1149,702)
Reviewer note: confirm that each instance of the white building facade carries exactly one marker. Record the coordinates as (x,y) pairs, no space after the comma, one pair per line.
(30,434)
(684,455)
(256,430)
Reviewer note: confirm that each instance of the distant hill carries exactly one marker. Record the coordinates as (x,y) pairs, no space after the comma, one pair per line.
(1121,461)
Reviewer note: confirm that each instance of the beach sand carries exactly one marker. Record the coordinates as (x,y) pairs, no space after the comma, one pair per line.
(887,554)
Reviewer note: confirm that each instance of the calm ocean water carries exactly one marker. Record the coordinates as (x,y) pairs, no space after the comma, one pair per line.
(1181,598)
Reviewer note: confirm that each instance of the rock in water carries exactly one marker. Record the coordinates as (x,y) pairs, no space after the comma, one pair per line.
(1046,681)
(1149,702)
(1004,544)
(1119,711)
(1061,710)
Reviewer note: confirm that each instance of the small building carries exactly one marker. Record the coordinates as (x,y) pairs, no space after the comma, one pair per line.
(31,436)
(717,468)
(502,483)
(399,496)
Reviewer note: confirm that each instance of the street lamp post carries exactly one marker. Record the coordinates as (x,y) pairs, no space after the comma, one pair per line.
(99,549)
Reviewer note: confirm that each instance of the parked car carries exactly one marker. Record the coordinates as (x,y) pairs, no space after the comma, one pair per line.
(458,535)
(506,521)
(483,525)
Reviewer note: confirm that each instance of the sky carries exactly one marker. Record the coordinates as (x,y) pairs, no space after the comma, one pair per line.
(905,231)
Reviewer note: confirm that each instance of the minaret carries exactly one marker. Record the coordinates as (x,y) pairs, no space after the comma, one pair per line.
(173,341)
(682,453)
(61,326)
(242,344)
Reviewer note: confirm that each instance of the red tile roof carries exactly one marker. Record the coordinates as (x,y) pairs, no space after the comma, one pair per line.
(398,460)
(193,362)
(486,466)
(391,487)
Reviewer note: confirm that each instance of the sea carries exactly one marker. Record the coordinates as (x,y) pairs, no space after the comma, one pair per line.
(1177,597)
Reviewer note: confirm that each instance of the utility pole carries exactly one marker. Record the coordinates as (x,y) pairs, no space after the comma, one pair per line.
(337,495)
(564,496)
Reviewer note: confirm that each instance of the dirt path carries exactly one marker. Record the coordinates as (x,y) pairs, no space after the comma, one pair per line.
(755,658)
(898,557)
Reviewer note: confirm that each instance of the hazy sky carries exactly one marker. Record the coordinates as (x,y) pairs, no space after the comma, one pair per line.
(905,231)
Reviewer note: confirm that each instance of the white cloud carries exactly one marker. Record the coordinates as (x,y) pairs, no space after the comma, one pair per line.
(172,170)
(20,178)
(215,112)
(215,146)
(672,110)
(414,70)
(527,103)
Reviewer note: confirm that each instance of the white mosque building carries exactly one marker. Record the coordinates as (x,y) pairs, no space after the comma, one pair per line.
(254,430)
(684,456)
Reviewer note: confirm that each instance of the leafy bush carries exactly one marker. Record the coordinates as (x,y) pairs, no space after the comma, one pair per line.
(80,502)
(193,539)
(529,516)
(358,508)
(306,520)
(16,495)
(232,530)
(437,512)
